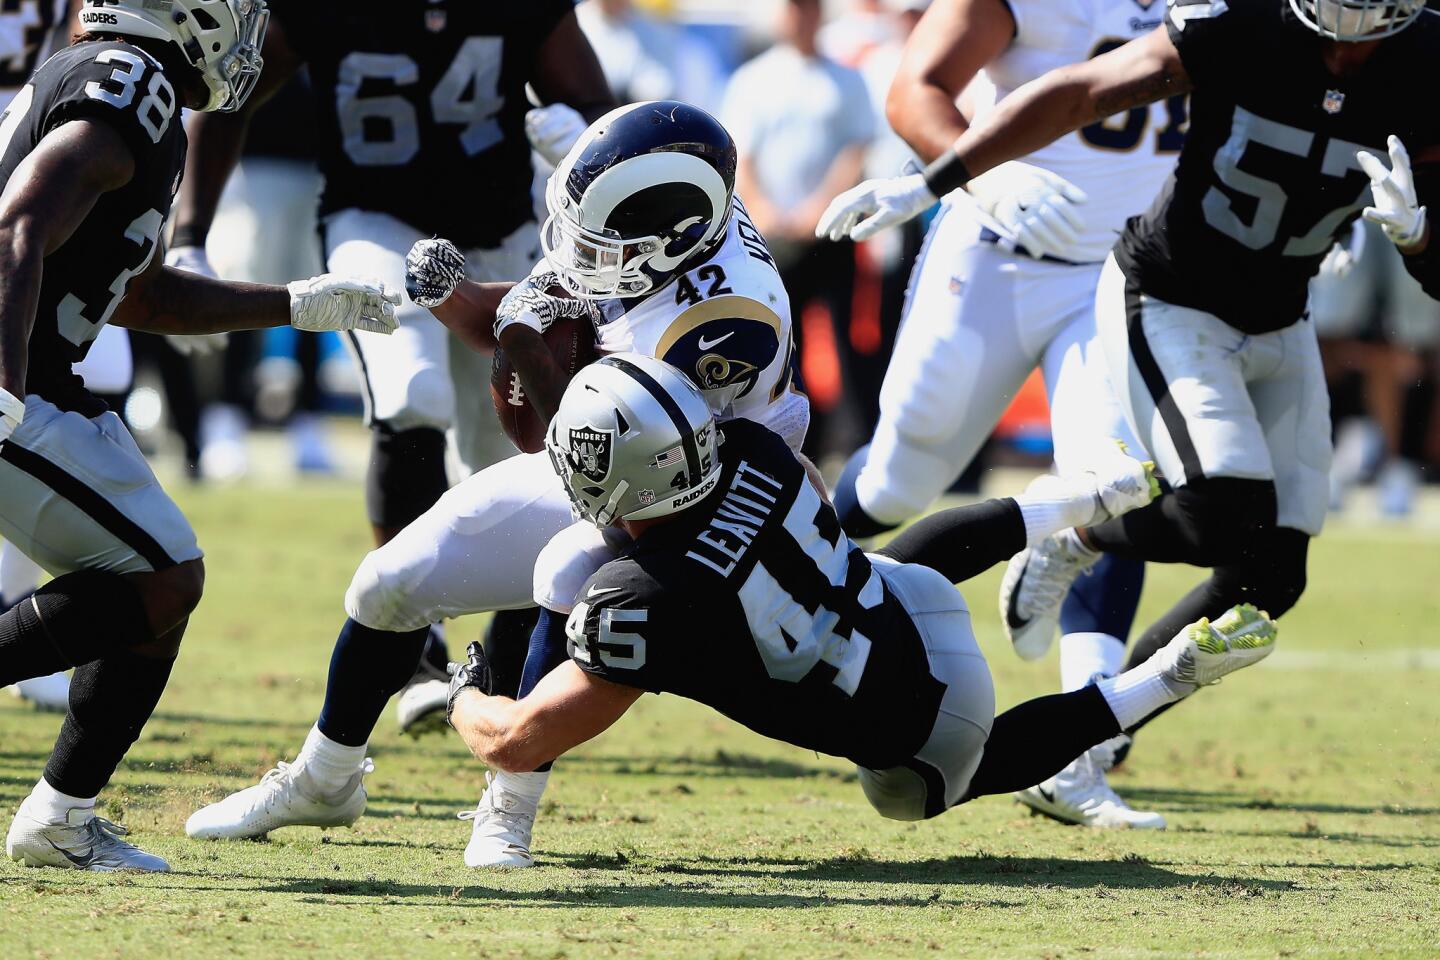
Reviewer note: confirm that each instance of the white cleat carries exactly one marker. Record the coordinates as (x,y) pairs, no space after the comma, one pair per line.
(500,829)
(1122,484)
(1203,652)
(1034,587)
(1081,795)
(287,796)
(83,842)
(51,694)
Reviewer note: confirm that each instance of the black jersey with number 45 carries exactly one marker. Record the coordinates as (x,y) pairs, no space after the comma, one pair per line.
(1268,177)
(422,107)
(756,603)
(83,282)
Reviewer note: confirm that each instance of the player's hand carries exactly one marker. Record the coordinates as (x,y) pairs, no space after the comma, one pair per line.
(1034,206)
(12,411)
(194,260)
(474,672)
(1345,254)
(1396,209)
(331,302)
(528,303)
(433,269)
(553,130)
(861,212)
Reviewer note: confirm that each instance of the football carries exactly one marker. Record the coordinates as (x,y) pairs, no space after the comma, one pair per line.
(572,343)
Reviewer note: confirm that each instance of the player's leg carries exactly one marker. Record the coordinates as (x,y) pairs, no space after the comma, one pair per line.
(79,498)
(959,359)
(473,551)
(1095,620)
(409,400)
(1293,408)
(1180,377)
(503,821)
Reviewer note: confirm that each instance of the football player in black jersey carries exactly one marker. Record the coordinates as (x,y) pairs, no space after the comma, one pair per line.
(741,591)
(1201,307)
(422,130)
(91,153)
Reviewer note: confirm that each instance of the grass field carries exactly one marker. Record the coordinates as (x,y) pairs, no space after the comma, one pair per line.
(1303,797)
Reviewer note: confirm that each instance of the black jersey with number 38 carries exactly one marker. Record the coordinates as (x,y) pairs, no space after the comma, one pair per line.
(1268,176)
(422,107)
(756,603)
(83,282)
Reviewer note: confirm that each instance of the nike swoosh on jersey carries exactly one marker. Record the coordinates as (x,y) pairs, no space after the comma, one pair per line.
(712,344)
(600,591)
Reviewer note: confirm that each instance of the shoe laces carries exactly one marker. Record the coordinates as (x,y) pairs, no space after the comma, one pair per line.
(105,835)
(493,809)
(1090,789)
(1053,568)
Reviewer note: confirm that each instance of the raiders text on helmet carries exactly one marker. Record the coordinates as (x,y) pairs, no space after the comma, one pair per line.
(219,38)
(644,191)
(633,439)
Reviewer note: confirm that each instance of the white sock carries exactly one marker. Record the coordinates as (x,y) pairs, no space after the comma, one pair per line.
(18,573)
(1046,516)
(52,806)
(527,786)
(329,764)
(1135,694)
(1084,655)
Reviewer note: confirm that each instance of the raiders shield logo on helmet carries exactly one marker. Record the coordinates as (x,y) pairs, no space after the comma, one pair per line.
(590,452)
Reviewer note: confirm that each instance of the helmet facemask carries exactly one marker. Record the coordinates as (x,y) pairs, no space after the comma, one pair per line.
(1357,20)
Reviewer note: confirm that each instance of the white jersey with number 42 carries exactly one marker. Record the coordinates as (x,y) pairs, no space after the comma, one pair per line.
(725,323)
(1119,162)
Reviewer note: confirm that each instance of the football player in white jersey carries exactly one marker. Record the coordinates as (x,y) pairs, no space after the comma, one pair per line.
(647,237)
(1005,283)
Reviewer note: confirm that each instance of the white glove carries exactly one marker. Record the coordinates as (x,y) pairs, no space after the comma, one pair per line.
(194,260)
(553,130)
(1396,208)
(861,212)
(433,269)
(1034,206)
(12,411)
(529,304)
(1345,254)
(330,302)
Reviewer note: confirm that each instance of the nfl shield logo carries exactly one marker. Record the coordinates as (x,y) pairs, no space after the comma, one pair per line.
(434,20)
(1333,102)
(590,452)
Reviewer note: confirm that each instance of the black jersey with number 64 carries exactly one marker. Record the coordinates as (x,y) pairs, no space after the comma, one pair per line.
(422,107)
(84,281)
(756,603)
(1268,177)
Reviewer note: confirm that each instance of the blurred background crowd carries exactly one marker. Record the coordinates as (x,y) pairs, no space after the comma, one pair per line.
(801,85)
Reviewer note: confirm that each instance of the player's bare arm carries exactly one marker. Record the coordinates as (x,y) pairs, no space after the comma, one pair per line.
(567,71)
(216,142)
(46,200)
(568,707)
(952,42)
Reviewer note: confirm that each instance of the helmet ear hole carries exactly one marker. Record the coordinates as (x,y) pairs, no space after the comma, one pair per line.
(206,21)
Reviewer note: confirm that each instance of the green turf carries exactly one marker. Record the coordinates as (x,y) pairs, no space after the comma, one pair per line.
(1304,801)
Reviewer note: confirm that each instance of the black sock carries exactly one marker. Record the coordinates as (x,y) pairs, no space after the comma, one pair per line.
(110,701)
(406,475)
(367,668)
(1201,523)
(72,620)
(1038,738)
(507,644)
(963,541)
(546,652)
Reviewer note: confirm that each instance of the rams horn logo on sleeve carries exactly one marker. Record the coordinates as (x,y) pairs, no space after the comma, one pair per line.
(724,342)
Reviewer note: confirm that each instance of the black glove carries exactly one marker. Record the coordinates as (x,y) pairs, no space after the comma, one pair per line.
(474,672)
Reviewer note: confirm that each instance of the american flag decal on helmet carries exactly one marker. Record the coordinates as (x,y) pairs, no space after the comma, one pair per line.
(669,458)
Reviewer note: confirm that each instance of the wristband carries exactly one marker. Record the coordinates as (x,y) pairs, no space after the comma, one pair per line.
(187,236)
(947,173)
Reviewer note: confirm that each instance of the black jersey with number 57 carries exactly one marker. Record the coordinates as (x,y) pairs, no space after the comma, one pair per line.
(754,602)
(422,107)
(1268,177)
(84,281)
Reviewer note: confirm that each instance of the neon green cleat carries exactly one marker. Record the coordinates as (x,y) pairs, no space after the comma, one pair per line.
(1204,652)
